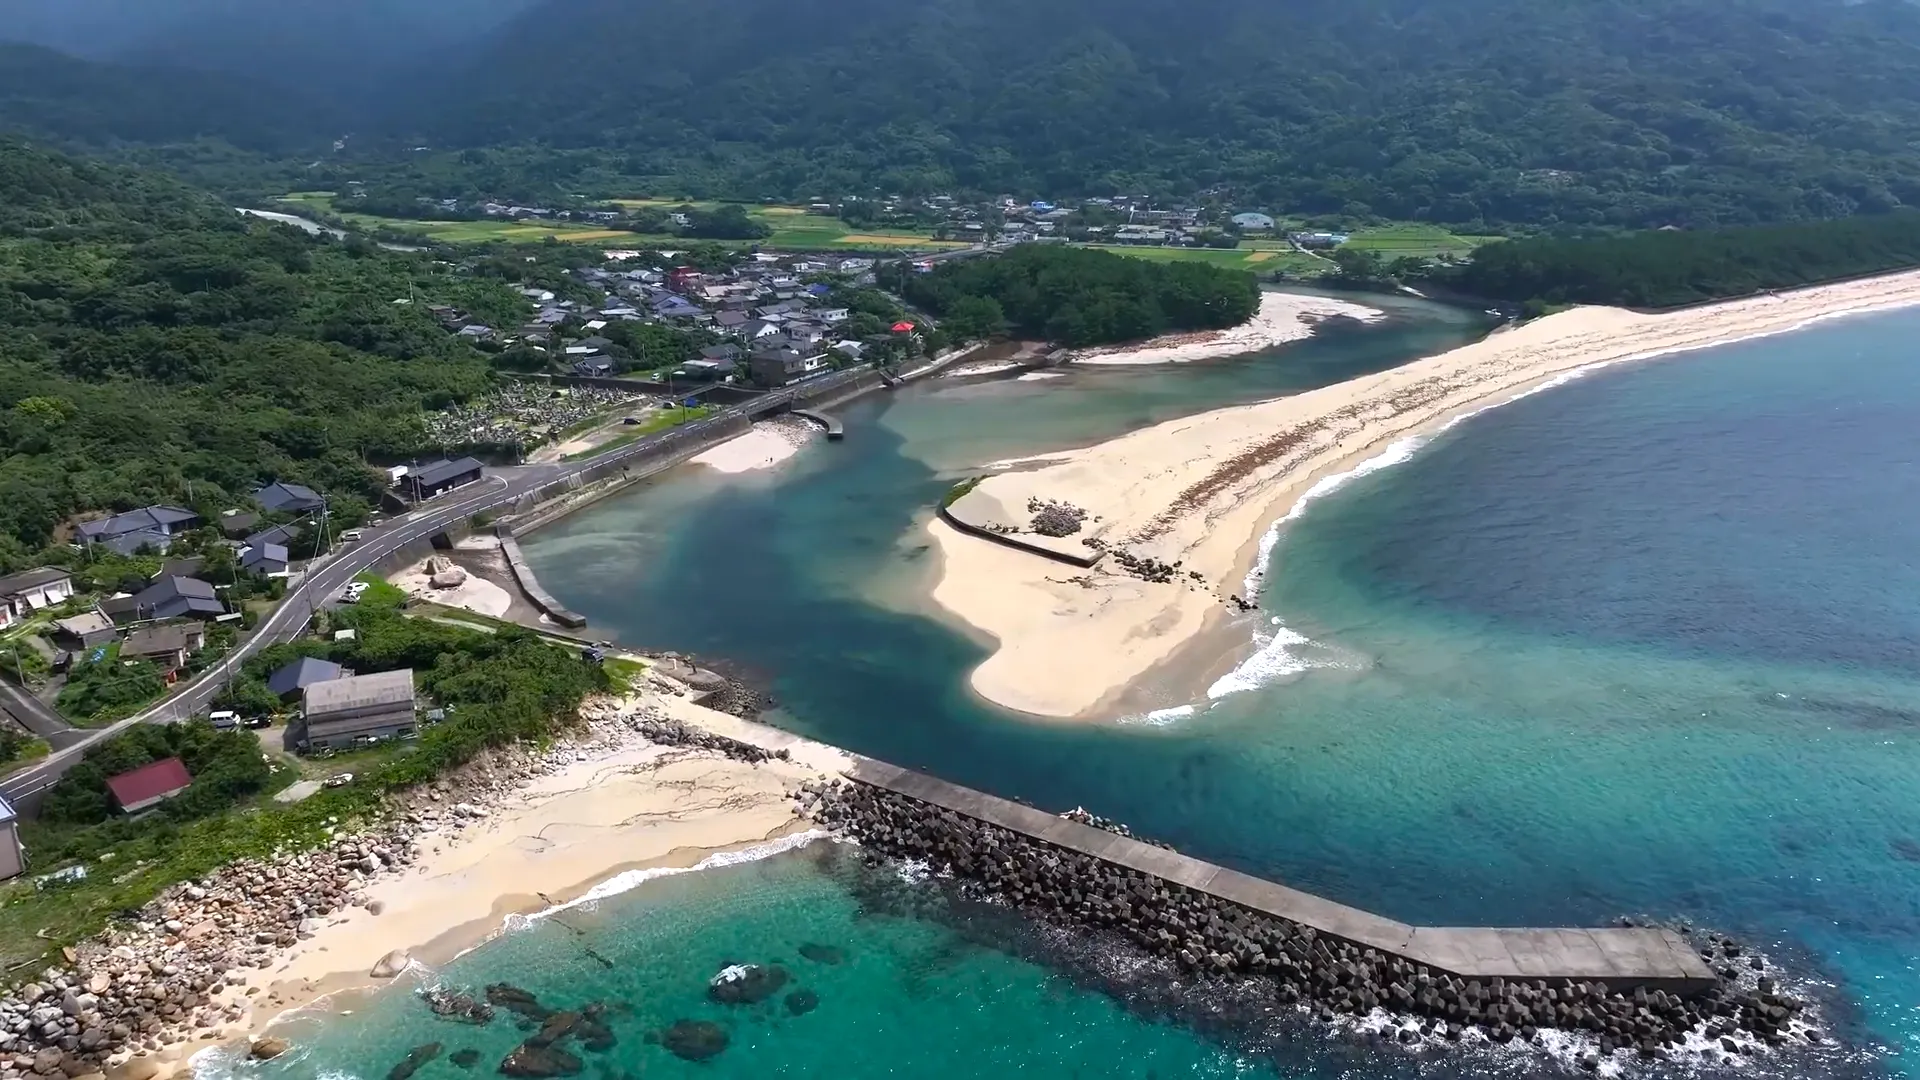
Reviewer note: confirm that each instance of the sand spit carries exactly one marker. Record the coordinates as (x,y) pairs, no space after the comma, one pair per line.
(1282,317)
(768,444)
(1200,491)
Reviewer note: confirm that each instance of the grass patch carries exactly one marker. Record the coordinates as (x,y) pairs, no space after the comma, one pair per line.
(673,417)
(623,673)
(381,593)
(959,491)
(1415,242)
(1260,257)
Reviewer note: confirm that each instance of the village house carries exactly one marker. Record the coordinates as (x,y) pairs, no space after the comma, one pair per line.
(85,630)
(168,598)
(167,647)
(784,367)
(151,527)
(338,714)
(149,785)
(29,591)
(438,477)
(292,680)
(13,854)
(282,498)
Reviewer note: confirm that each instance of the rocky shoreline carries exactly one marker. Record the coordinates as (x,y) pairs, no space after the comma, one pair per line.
(1211,939)
(177,971)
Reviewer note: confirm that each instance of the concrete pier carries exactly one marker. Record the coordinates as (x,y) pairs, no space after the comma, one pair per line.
(530,585)
(1623,959)
(831,424)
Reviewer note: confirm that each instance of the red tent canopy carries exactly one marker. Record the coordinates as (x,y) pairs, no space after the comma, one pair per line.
(903,327)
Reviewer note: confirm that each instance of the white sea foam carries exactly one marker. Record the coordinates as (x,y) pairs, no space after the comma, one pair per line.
(1275,655)
(1036,376)
(633,879)
(1162,717)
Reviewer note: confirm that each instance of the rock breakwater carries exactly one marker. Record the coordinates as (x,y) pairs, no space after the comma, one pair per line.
(1211,938)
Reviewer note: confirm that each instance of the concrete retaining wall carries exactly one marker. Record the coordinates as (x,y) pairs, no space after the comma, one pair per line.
(542,599)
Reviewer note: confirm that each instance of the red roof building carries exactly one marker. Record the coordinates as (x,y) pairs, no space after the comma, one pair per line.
(149,784)
(903,327)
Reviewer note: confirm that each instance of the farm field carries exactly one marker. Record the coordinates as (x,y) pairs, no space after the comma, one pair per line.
(1392,242)
(793,228)
(1260,257)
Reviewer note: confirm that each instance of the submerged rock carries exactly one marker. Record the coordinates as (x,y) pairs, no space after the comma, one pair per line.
(694,1040)
(746,984)
(466,1059)
(540,1061)
(802,1002)
(823,954)
(515,1000)
(415,1058)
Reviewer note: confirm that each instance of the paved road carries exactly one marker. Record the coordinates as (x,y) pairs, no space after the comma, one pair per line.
(34,715)
(325,578)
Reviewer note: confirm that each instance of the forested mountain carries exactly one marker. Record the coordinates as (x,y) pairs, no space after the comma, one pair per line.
(341,48)
(152,339)
(77,102)
(1605,112)
(1525,113)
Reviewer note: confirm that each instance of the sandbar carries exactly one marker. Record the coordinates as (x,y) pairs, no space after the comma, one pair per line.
(1200,491)
(1282,317)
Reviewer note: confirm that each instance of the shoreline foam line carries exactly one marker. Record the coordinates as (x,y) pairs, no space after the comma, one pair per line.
(1205,491)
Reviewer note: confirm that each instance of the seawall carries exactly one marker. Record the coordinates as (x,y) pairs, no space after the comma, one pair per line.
(1638,989)
(530,585)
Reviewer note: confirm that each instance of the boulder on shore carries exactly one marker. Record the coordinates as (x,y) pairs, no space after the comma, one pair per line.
(391,964)
(268,1047)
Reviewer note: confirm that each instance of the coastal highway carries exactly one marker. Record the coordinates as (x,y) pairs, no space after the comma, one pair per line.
(325,577)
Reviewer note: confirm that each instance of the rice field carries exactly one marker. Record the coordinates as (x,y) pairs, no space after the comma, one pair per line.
(1258,256)
(1415,242)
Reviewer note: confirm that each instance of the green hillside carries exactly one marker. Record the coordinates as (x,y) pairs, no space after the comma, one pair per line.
(1466,112)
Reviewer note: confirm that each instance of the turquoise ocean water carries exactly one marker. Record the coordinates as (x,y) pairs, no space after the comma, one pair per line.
(1647,644)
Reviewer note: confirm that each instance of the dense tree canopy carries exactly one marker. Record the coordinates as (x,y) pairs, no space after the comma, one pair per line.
(1607,112)
(1077,296)
(1551,113)
(1668,268)
(151,339)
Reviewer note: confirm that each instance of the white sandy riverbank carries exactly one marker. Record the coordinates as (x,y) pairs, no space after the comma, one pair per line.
(1282,317)
(1202,490)
(769,443)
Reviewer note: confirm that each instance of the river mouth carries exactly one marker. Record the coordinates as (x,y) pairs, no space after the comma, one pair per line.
(1600,653)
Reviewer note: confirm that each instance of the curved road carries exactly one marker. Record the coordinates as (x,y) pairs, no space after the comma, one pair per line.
(325,577)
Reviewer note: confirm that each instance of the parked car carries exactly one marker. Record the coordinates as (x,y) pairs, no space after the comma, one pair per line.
(353,592)
(351,536)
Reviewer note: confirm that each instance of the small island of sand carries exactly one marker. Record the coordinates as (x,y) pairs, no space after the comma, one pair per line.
(1198,493)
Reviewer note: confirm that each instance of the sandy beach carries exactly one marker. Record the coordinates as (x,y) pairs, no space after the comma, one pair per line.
(769,443)
(474,593)
(619,804)
(1282,317)
(1201,491)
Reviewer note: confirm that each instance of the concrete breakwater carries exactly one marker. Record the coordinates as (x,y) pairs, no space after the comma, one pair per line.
(1636,990)
(530,585)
